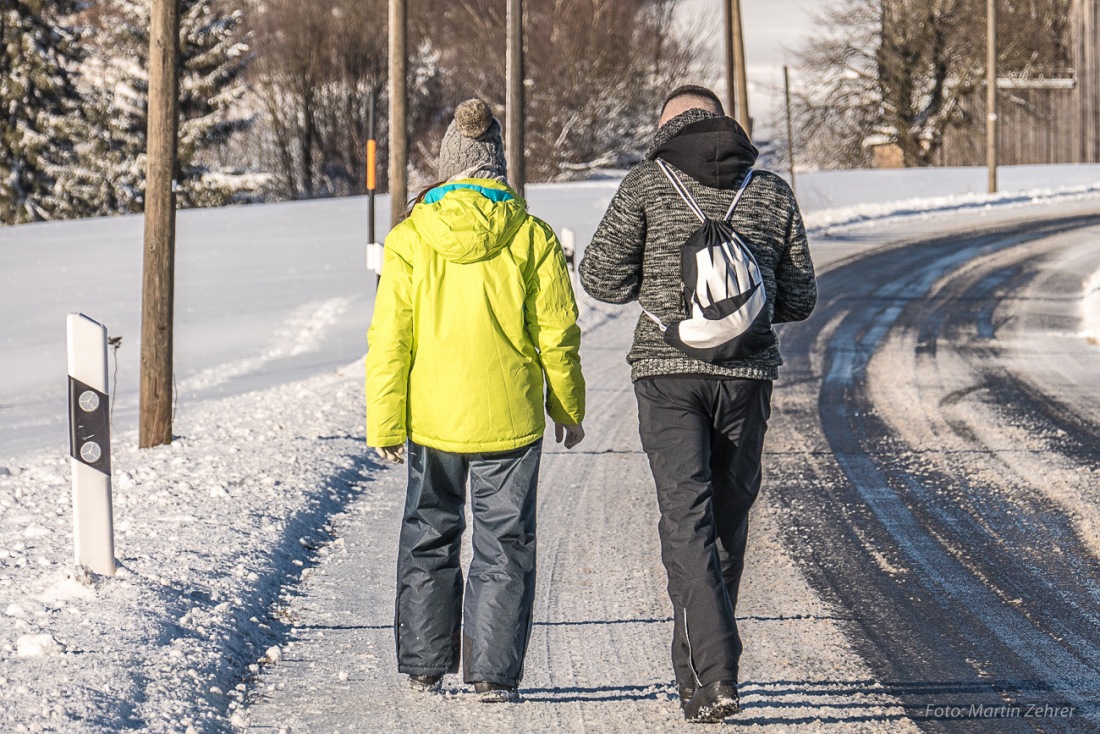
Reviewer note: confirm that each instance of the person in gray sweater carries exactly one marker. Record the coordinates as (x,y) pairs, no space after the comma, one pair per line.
(702,424)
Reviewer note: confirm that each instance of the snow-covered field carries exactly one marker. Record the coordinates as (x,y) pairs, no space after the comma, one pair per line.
(269,294)
(216,532)
(264,296)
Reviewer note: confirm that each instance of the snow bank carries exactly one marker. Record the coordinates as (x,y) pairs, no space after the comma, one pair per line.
(209,532)
(826,219)
(1091,309)
(821,190)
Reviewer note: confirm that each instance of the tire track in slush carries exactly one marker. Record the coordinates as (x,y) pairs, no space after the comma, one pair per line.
(956,625)
(963,307)
(1037,650)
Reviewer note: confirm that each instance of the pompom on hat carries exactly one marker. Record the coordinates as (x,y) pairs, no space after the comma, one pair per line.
(473,118)
(472,146)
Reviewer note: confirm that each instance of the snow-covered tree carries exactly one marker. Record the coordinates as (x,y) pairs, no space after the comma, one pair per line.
(886,71)
(213,57)
(115,87)
(39,110)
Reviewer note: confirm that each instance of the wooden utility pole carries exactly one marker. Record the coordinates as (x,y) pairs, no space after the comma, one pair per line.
(991,93)
(399,143)
(790,125)
(516,105)
(158,278)
(737,76)
(1085,21)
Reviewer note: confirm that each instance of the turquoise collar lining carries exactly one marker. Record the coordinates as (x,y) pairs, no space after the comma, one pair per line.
(494,195)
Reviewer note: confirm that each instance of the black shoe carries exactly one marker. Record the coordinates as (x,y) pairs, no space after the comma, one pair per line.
(712,703)
(495,692)
(686,692)
(425,683)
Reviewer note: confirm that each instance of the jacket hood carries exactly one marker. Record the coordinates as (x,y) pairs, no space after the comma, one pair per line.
(469,220)
(712,149)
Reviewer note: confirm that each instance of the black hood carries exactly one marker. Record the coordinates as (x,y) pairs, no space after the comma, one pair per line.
(712,149)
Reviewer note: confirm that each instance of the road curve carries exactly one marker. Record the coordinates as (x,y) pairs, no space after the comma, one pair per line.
(937,466)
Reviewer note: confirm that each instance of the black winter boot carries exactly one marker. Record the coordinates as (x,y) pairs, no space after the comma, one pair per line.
(425,683)
(712,703)
(685,693)
(495,692)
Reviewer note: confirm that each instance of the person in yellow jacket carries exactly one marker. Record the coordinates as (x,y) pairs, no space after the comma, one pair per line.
(474,330)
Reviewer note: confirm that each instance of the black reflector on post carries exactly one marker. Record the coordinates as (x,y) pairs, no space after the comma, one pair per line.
(89,426)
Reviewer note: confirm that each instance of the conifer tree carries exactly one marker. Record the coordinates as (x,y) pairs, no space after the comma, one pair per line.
(115,86)
(39,110)
(213,58)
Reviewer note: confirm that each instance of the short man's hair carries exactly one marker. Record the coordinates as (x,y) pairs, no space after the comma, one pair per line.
(690,96)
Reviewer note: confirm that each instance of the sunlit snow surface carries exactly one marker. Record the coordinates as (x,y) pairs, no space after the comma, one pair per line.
(272,306)
(269,294)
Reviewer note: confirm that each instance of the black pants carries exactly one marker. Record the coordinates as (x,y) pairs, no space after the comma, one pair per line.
(704,439)
(495,615)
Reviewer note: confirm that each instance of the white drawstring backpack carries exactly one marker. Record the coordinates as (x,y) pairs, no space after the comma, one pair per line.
(724,296)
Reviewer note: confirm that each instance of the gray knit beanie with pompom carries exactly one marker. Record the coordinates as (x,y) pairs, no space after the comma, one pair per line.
(472,146)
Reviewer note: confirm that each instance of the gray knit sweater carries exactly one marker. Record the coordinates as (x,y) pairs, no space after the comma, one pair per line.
(635,254)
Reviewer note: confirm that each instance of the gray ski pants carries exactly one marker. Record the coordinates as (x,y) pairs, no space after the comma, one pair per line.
(495,617)
(704,439)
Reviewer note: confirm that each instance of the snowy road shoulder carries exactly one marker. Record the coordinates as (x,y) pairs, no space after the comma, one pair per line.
(893,212)
(209,532)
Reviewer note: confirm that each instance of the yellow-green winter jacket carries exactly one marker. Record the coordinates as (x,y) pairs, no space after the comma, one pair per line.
(474,308)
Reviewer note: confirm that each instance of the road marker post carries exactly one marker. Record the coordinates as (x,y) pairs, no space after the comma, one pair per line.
(569,247)
(374,248)
(90,444)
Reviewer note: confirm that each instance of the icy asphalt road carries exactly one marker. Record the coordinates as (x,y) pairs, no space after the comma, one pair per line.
(932,471)
(942,481)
